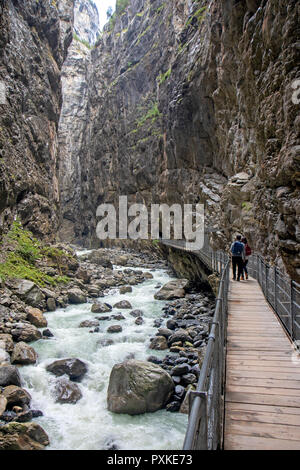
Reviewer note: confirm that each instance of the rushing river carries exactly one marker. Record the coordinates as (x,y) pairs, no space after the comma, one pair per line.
(88,425)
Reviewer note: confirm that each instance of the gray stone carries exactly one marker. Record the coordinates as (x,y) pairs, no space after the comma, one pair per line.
(137,387)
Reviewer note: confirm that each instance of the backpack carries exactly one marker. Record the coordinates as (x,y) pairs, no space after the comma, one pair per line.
(237,249)
(248,250)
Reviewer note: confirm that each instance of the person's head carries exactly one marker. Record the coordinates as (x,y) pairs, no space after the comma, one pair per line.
(239,237)
(244,240)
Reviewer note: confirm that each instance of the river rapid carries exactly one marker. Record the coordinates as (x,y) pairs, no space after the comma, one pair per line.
(88,425)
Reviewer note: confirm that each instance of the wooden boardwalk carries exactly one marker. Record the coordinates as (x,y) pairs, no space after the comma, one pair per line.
(262,400)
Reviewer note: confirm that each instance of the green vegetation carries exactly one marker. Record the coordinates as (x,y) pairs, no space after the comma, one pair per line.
(121,6)
(247,206)
(199,15)
(23,253)
(85,43)
(164,76)
(153,113)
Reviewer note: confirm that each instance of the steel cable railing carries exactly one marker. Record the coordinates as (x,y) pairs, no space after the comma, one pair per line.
(206,416)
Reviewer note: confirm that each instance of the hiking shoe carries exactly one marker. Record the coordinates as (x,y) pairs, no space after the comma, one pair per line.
(233,279)
(247,277)
(242,278)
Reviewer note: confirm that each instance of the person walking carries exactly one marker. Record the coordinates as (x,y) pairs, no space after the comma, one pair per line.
(247,254)
(238,256)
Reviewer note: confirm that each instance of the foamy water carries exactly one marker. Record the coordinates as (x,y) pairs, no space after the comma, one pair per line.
(88,425)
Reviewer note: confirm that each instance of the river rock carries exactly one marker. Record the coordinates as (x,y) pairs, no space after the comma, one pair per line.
(4,356)
(76,296)
(136,313)
(23,436)
(9,375)
(74,368)
(47,333)
(172,290)
(30,293)
(137,387)
(23,354)
(101,308)
(3,403)
(148,275)
(125,289)
(24,416)
(180,369)
(16,396)
(159,343)
(88,323)
(7,341)
(139,321)
(123,304)
(179,336)
(100,258)
(173,406)
(25,332)
(165,332)
(114,329)
(36,317)
(51,304)
(66,391)
(121,260)
(188,379)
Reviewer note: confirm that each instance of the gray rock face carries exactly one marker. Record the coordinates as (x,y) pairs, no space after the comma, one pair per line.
(123,304)
(30,293)
(41,34)
(137,387)
(16,396)
(74,368)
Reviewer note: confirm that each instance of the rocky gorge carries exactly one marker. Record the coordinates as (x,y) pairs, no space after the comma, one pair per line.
(158,340)
(178,101)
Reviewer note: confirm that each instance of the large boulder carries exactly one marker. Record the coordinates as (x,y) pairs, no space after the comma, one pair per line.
(25,332)
(4,356)
(76,296)
(23,436)
(100,258)
(180,335)
(172,290)
(36,317)
(125,289)
(66,391)
(16,396)
(74,368)
(9,375)
(137,387)
(30,293)
(23,354)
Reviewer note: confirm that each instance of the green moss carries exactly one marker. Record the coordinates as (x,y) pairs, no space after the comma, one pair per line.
(153,113)
(85,43)
(23,252)
(247,206)
(164,76)
(199,15)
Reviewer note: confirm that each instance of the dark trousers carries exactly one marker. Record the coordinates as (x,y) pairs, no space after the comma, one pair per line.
(245,267)
(237,261)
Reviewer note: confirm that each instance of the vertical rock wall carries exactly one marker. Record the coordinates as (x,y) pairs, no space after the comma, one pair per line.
(34,38)
(191,102)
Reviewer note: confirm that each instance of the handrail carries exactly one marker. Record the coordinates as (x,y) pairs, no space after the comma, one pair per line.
(206,416)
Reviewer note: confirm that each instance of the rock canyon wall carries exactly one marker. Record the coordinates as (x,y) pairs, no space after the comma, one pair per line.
(180,101)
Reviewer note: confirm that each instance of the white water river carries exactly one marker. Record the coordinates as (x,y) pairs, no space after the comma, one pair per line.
(88,425)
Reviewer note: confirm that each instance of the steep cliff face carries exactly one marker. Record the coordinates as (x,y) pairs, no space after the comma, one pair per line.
(191,101)
(73,124)
(34,38)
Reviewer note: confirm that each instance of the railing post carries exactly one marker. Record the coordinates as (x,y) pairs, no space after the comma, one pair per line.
(292,310)
(275,290)
(267,284)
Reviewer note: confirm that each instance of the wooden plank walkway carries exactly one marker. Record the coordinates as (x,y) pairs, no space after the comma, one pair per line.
(262,400)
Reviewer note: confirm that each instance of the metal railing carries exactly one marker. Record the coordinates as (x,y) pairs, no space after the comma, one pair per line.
(206,415)
(282,293)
